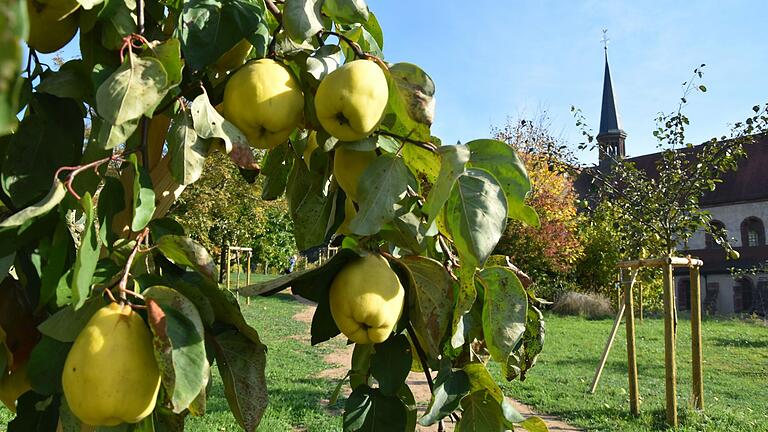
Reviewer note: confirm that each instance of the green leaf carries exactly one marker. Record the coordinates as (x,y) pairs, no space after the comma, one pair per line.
(383,183)
(467,295)
(56,264)
(186,252)
(430,302)
(6,263)
(534,424)
(373,27)
(277,166)
(391,363)
(451,385)
(87,256)
(113,135)
(72,80)
(241,364)
(40,208)
(66,324)
(366,41)
(476,215)
(347,11)
(209,28)
(502,161)
(143,196)
(165,226)
(481,380)
(169,54)
(111,202)
(49,136)
(360,368)
(209,123)
(408,107)
(13,28)
(178,342)
(504,312)
(453,160)
(310,204)
(186,149)
(482,413)
(417,90)
(302,18)
(89,4)
(46,364)
(369,410)
(422,161)
(134,89)
(323,61)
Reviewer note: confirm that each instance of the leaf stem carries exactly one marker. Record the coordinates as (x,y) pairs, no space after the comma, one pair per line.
(426,145)
(422,356)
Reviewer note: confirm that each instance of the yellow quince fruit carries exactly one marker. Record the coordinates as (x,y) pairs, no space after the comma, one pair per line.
(350,101)
(235,57)
(13,385)
(110,375)
(52,23)
(348,167)
(366,299)
(264,100)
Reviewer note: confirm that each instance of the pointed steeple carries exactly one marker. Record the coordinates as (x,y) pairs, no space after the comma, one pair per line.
(611,136)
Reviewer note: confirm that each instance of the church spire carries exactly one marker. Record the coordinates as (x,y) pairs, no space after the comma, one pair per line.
(611,136)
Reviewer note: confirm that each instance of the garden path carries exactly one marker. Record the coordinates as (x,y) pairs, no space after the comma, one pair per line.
(340,359)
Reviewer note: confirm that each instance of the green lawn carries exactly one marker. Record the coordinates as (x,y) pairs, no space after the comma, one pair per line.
(735,376)
(295,390)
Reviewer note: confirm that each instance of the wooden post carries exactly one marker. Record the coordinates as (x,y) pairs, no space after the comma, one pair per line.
(228,267)
(669,346)
(634,398)
(698,378)
(248,275)
(239,272)
(607,349)
(640,294)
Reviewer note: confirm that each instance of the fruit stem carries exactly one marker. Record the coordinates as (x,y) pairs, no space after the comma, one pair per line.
(123,284)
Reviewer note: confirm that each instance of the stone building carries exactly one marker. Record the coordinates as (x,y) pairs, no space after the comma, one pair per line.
(739,205)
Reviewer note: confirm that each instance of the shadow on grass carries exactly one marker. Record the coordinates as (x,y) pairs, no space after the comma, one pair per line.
(739,343)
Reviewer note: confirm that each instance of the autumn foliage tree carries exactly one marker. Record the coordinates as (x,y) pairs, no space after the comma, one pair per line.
(87,235)
(548,251)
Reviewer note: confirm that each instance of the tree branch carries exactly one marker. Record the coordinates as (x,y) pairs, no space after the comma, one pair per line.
(274,10)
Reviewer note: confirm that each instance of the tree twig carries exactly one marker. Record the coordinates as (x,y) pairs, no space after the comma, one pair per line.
(122,286)
(75,170)
(274,10)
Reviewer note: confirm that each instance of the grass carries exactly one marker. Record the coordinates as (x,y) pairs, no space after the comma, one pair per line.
(293,367)
(735,376)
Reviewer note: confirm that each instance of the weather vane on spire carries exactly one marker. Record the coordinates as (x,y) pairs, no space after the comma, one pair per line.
(605,39)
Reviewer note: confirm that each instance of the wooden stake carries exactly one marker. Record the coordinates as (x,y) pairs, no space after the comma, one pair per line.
(239,272)
(640,294)
(669,346)
(607,349)
(228,268)
(698,378)
(634,398)
(248,276)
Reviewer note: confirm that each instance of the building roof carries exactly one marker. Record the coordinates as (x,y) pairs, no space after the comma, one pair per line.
(610,121)
(748,183)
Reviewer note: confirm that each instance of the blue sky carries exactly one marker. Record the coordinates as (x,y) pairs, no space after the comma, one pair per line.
(494,59)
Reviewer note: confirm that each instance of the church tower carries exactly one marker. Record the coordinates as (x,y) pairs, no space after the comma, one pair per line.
(611,136)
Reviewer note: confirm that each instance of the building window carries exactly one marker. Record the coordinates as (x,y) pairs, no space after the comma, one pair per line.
(715,226)
(684,294)
(752,232)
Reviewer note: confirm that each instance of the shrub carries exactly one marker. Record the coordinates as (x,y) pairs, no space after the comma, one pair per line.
(590,306)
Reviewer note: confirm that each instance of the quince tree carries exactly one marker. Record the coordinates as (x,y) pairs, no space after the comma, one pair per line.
(110,314)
